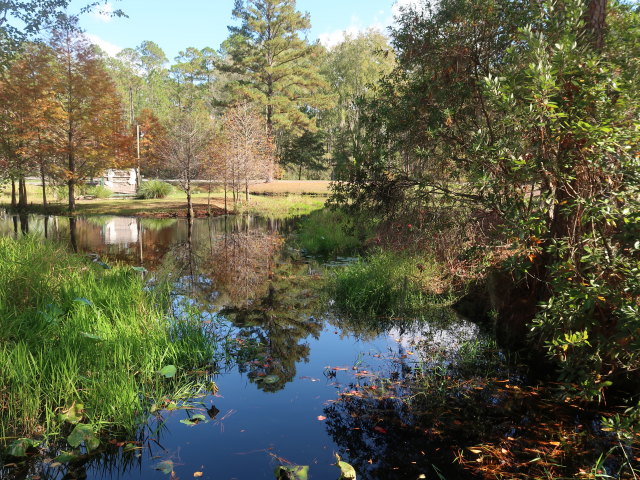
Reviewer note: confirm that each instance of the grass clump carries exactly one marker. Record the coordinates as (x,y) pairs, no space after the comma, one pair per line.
(75,333)
(326,232)
(155,189)
(98,191)
(387,284)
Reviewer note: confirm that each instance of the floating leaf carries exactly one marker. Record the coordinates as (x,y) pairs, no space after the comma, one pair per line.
(197,474)
(296,472)
(169,371)
(270,379)
(91,336)
(321,418)
(83,433)
(73,414)
(83,301)
(19,447)
(66,457)
(346,470)
(165,467)
(194,420)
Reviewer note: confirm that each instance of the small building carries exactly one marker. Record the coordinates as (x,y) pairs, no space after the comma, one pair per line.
(121,180)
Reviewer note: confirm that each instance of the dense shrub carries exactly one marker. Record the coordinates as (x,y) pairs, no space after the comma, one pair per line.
(155,189)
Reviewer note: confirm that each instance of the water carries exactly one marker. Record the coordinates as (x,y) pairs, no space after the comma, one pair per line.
(309,387)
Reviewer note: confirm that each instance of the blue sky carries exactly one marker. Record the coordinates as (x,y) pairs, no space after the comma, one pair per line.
(203,23)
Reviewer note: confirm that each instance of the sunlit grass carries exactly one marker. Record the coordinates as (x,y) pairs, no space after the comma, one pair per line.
(75,333)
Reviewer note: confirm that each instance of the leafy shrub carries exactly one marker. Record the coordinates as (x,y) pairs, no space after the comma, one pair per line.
(155,189)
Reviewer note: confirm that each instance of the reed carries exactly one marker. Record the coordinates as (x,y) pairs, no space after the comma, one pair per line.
(76,333)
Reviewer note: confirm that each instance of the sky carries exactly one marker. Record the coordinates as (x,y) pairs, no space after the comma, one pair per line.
(203,23)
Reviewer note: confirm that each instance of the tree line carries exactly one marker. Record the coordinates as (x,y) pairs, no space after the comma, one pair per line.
(267,103)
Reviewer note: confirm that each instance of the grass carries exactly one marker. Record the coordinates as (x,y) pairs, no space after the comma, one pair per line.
(155,189)
(387,284)
(80,338)
(326,232)
(300,187)
(174,204)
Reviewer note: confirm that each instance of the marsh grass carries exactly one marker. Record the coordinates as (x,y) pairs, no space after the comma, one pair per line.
(74,333)
(388,284)
(326,232)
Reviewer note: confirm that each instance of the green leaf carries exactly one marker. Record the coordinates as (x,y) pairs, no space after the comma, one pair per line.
(84,301)
(19,447)
(140,269)
(169,371)
(194,420)
(296,472)
(91,336)
(270,379)
(347,472)
(83,433)
(73,414)
(66,457)
(165,467)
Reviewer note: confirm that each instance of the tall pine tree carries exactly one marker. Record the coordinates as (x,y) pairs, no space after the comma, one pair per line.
(277,68)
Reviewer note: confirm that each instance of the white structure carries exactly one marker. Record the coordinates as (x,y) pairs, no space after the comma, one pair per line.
(119,180)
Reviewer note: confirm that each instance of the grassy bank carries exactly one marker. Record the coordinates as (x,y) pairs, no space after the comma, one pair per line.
(327,232)
(83,344)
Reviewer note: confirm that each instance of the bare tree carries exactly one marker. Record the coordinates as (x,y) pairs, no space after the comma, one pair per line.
(247,151)
(186,148)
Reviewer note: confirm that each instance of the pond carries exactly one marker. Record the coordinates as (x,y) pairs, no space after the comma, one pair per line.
(303,383)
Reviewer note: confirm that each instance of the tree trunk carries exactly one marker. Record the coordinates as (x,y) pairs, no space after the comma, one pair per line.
(22,193)
(44,186)
(72,181)
(596,14)
(13,194)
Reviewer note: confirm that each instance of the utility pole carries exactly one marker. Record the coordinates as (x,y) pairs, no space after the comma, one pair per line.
(138,176)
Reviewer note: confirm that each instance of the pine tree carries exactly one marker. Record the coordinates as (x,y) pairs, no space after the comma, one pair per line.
(277,68)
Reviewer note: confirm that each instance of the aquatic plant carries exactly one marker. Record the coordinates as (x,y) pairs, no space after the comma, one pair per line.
(327,231)
(86,343)
(386,284)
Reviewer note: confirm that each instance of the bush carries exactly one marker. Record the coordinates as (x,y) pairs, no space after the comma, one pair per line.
(155,189)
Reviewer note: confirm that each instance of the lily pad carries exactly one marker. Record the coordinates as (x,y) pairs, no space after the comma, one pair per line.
(83,433)
(296,472)
(165,466)
(347,472)
(169,371)
(19,447)
(66,457)
(73,414)
(194,420)
(84,301)
(270,379)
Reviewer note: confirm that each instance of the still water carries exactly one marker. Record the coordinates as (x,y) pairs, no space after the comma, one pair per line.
(307,390)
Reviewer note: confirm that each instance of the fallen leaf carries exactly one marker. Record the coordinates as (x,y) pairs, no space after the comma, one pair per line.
(197,474)
(321,418)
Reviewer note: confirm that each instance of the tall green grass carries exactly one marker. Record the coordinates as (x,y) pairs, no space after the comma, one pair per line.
(76,333)
(326,232)
(155,189)
(387,284)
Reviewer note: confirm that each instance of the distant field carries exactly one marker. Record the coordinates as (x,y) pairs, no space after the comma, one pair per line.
(314,187)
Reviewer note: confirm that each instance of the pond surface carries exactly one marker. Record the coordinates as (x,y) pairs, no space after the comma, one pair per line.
(306,383)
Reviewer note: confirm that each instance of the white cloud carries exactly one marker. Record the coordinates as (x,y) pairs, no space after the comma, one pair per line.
(104,12)
(380,23)
(109,48)
(397,7)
